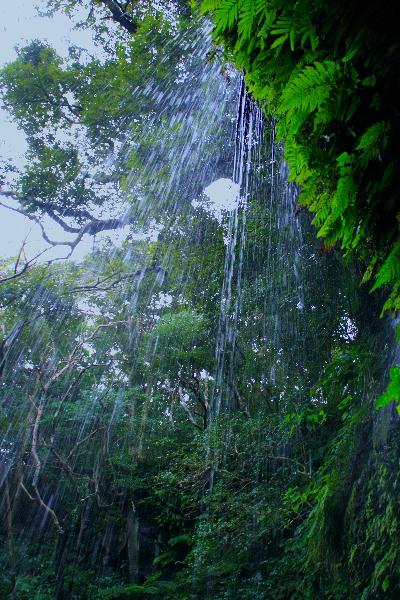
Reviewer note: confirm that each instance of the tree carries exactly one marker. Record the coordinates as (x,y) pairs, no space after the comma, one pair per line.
(118,481)
(78,117)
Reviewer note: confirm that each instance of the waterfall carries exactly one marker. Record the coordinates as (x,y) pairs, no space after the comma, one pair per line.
(126,377)
(246,160)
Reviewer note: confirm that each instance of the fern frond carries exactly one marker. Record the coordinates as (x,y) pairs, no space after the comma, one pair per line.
(248,13)
(370,269)
(297,161)
(321,205)
(310,88)
(331,230)
(390,270)
(373,141)
(346,188)
(208,6)
(392,392)
(227,13)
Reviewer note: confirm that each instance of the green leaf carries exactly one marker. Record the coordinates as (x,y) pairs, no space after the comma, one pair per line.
(310,88)
(279,41)
(392,392)
(386,584)
(369,81)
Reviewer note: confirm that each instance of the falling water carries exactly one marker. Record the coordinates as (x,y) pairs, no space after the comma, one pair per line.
(203,128)
(246,159)
(183,146)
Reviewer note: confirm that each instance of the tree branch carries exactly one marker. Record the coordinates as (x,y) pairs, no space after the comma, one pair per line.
(119,14)
(186,408)
(24,269)
(91,228)
(37,463)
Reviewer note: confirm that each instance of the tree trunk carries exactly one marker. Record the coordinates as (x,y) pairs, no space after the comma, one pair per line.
(133,544)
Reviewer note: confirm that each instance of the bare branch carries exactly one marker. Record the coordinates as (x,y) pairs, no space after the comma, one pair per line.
(186,408)
(37,463)
(82,441)
(97,285)
(65,466)
(91,228)
(119,14)
(29,263)
(26,491)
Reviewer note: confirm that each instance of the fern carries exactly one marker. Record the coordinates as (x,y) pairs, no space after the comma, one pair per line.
(284,27)
(311,88)
(294,27)
(373,142)
(297,121)
(346,189)
(321,206)
(370,269)
(392,393)
(345,195)
(297,161)
(249,11)
(209,6)
(226,14)
(392,304)
(325,97)
(330,230)
(390,270)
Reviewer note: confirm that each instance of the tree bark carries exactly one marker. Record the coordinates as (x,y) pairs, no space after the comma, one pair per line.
(133,544)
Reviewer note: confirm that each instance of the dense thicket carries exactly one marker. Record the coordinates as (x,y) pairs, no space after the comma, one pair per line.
(329,73)
(116,479)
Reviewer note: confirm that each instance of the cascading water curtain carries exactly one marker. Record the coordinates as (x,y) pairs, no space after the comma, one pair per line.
(218,309)
(246,161)
(57,375)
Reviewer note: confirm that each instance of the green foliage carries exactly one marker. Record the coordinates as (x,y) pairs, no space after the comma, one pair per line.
(284,476)
(33,88)
(308,90)
(392,392)
(327,72)
(76,113)
(152,587)
(180,341)
(292,495)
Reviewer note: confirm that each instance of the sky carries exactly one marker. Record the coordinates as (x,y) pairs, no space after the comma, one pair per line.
(19,24)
